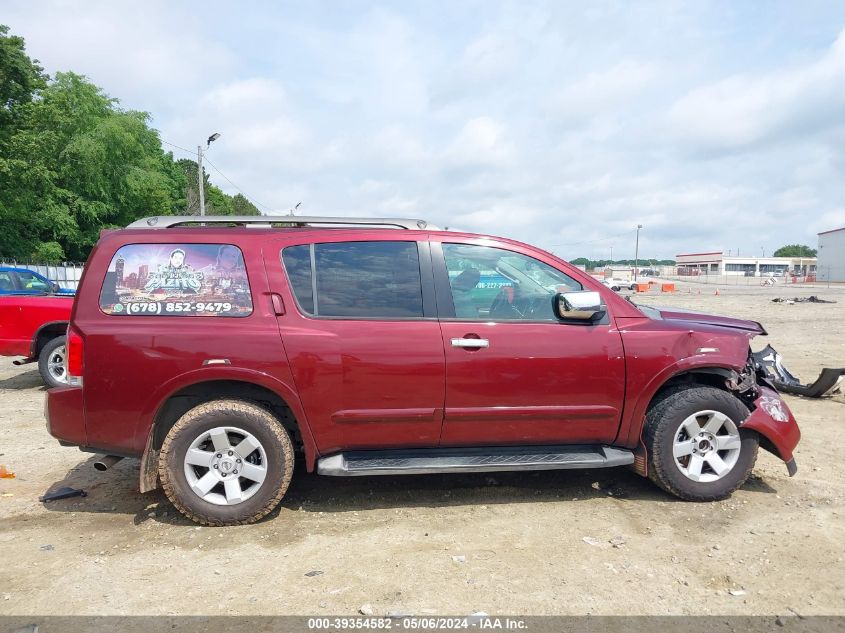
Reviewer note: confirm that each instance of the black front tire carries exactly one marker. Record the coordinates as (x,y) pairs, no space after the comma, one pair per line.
(662,426)
(53,351)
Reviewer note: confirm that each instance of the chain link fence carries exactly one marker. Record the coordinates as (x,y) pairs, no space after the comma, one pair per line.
(824,276)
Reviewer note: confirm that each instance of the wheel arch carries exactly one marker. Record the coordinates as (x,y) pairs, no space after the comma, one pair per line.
(215,385)
(660,388)
(44,334)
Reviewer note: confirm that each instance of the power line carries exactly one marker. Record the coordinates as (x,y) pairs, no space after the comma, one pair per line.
(187,151)
(253,200)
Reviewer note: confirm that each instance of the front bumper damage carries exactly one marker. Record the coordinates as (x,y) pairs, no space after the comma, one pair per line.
(771,364)
(774,422)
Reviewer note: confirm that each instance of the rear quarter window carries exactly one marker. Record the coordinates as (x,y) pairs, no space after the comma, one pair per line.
(177,280)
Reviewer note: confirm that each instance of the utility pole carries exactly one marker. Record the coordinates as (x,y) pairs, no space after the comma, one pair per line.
(637,252)
(200,179)
(200,183)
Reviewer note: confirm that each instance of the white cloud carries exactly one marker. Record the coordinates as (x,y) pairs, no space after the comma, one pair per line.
(559,125)
(744,109)
(605,89)
(481,141)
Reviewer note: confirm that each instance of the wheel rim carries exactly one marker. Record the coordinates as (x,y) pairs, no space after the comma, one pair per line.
(225,465)
(706,446)
(56,364)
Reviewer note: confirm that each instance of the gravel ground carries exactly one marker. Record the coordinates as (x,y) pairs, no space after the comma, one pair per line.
(567,542)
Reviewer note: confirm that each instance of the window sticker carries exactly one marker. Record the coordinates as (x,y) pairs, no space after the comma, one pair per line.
(177,280)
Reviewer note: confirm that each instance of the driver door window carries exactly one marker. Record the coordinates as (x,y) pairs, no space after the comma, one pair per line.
(30,281)
(495,284)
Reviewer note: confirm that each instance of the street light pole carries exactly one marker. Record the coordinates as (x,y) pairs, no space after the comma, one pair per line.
(637,252)
(200,183)
(200,179)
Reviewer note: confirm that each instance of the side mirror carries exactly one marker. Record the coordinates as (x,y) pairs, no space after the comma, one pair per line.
(54,287)
(583,305)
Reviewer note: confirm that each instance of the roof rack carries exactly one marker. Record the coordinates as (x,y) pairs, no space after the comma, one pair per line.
(266,221)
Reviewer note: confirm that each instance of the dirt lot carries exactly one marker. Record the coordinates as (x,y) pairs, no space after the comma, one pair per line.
(568,542)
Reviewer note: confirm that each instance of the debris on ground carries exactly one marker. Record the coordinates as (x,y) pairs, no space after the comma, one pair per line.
(47,548)
(459,559)
(313,572)
(737,592)
(589,540)
(5,473)
(366,609)
(810,299)
(64,492)
(771,362)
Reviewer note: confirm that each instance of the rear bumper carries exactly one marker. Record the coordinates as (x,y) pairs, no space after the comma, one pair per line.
(65,415)
(773,420)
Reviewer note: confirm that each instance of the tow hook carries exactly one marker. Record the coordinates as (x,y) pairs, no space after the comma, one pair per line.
(105,462)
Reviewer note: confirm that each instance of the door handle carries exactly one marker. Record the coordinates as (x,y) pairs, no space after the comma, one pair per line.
(278,304)
(470,342)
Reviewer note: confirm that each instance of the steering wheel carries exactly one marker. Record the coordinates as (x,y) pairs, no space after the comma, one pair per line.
(503,305)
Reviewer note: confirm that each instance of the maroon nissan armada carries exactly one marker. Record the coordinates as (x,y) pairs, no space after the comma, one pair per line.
(213,350)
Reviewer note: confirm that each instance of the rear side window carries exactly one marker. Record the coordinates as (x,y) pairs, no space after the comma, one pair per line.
(177,280)
(356,279)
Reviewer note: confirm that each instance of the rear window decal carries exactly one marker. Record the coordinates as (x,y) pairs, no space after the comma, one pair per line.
(177,280)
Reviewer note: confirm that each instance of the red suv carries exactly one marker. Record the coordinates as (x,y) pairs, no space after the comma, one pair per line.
(213,351)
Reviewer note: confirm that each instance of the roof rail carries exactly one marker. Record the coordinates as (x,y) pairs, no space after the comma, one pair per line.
(266,221)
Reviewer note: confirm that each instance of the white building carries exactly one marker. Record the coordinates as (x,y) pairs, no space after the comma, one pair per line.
(832,255)
(717,263)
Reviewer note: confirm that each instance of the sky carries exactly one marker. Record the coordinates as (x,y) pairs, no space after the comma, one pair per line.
(717,126)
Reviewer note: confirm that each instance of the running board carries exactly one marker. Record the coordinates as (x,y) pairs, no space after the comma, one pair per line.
(472,460)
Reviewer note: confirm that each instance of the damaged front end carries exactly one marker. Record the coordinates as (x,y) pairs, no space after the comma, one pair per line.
(770,416)
(769,365)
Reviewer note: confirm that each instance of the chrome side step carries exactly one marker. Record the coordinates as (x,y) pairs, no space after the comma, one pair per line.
(472,460)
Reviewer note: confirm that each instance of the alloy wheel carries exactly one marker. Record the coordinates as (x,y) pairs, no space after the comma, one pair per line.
(706,446)
(225,465)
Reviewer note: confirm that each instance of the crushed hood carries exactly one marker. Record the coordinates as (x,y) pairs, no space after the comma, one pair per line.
(687,316)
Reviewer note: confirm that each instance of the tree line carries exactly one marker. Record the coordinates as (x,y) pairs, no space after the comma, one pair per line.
(73,162)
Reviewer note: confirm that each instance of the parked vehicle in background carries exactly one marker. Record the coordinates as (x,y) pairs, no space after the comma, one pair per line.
(34,326)
(28,282)
(617,284)
(212,352)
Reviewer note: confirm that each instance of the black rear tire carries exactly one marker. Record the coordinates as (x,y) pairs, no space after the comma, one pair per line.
(662,428)
(249,418)
(53,351)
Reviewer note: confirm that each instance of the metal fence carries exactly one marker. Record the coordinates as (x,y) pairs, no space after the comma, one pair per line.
(823,277)
(66,275)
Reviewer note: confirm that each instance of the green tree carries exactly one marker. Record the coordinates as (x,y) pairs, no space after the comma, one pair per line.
(20,78)
(73,162)
(795,250)
(49,253)
(242,206)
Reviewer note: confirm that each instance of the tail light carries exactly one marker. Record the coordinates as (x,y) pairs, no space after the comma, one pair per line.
(74,346)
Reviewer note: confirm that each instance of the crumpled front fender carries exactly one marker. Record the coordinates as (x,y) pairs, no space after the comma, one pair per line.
(773,420)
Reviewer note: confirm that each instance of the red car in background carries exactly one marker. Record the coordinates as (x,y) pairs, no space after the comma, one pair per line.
(34,326)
